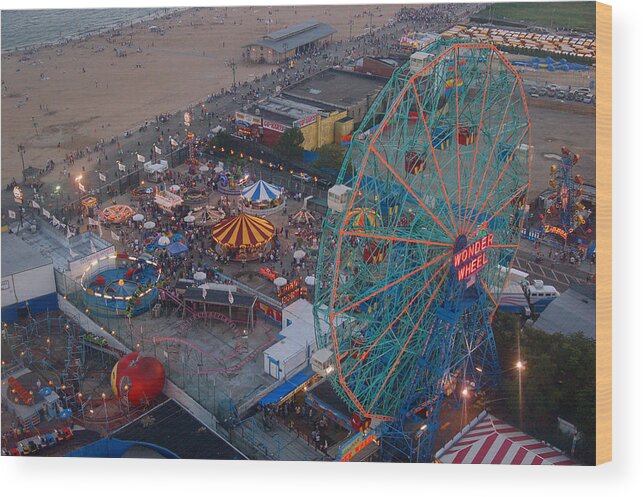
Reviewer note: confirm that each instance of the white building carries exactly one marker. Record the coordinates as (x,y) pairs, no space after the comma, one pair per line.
(28,285)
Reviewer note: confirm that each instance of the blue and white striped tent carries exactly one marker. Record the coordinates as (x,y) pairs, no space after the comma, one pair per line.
(261,192)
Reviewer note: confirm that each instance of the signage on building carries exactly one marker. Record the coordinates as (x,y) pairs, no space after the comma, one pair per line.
(355,445)
(305,121)
(556,231)
(247,120)
(292,291)
(472,258)
(6,284)
(279,128)
(268,311)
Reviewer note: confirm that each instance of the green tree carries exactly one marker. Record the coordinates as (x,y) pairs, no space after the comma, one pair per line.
(222,139)
(290,144)
(559,380)
(330,156)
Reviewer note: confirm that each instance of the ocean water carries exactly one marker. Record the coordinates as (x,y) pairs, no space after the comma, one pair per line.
(23,28)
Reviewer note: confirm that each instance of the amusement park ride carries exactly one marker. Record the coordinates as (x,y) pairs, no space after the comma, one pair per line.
(567,214)
(413,251)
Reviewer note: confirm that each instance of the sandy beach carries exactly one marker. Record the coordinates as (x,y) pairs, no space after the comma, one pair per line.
(59,99)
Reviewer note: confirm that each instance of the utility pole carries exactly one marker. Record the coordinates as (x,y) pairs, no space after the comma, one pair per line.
(370,28)
(35,125)
(350,30)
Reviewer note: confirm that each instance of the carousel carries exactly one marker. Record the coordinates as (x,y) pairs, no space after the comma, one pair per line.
(206,215)
(243,237)
(195,196)
(143,191)
(232,181)
(117,214)
(262,199)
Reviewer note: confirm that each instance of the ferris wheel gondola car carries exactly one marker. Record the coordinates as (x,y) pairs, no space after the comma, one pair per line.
(414,163)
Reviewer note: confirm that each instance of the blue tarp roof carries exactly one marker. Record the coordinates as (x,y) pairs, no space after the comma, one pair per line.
(176,248)
(288,387)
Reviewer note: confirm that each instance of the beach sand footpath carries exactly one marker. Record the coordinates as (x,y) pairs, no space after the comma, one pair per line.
(59,99)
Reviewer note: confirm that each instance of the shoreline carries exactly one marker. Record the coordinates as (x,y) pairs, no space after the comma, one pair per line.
(161,12)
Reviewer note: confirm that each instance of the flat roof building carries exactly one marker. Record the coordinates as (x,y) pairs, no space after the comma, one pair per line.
(347,90)
(276,47)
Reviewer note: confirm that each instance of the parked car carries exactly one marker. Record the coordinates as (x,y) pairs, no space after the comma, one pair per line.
(323,182)
(542,92)
(588,98)
(570,96)
(561,94)
(533,92)
(301,176)
(551,92)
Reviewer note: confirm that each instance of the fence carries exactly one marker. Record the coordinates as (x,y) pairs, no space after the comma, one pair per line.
(183,365)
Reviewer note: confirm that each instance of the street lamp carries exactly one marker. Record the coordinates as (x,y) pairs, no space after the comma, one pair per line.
(105,408)
(420,433)
(21,151)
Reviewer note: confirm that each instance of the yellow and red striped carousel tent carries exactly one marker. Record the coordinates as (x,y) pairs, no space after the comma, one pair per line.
(243,232)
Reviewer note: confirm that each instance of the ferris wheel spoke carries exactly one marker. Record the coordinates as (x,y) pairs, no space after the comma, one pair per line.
(408,340)
(495,143)
(500,176)
(435,159)
(475,153)
(394,238)
(516,195)
(366,353)
(413,194)
(486,289)
(388,286)
(457,128)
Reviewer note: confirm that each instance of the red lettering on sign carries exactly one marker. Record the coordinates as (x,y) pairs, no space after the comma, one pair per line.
(471,259)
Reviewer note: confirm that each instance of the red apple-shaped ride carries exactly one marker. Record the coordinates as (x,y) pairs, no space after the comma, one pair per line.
(138,378)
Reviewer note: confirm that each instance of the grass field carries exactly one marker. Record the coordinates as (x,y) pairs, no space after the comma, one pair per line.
(580,16)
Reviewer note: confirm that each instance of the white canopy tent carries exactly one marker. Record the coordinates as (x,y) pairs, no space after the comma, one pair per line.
(155,170)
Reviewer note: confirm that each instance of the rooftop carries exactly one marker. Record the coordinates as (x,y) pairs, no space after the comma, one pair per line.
(336,87)
(573,311)
(19,256)
(169,425)
(295,36)
(52,243)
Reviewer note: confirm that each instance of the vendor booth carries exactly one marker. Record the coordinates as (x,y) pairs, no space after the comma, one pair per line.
(155,171)
(167,201)
(262,199)
(243,237)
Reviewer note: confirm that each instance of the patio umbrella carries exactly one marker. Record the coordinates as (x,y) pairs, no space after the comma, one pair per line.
(138,217)
(175,188)
(204,168)
(310,280)
(149,225)
(189,219)
(299,255)
(164,241)
(199,276)
(281,281)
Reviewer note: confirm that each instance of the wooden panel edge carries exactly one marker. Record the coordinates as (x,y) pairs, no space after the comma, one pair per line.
(603,233)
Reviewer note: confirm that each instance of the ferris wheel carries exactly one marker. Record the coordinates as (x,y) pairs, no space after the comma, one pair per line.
(414,257)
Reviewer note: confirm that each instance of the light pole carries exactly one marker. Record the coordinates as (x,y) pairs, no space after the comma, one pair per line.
(420,434)
(233,65)
(21,151)
(350,30)
(105,407)
(35,125)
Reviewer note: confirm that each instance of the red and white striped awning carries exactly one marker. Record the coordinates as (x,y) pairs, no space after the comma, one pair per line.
(491,441)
